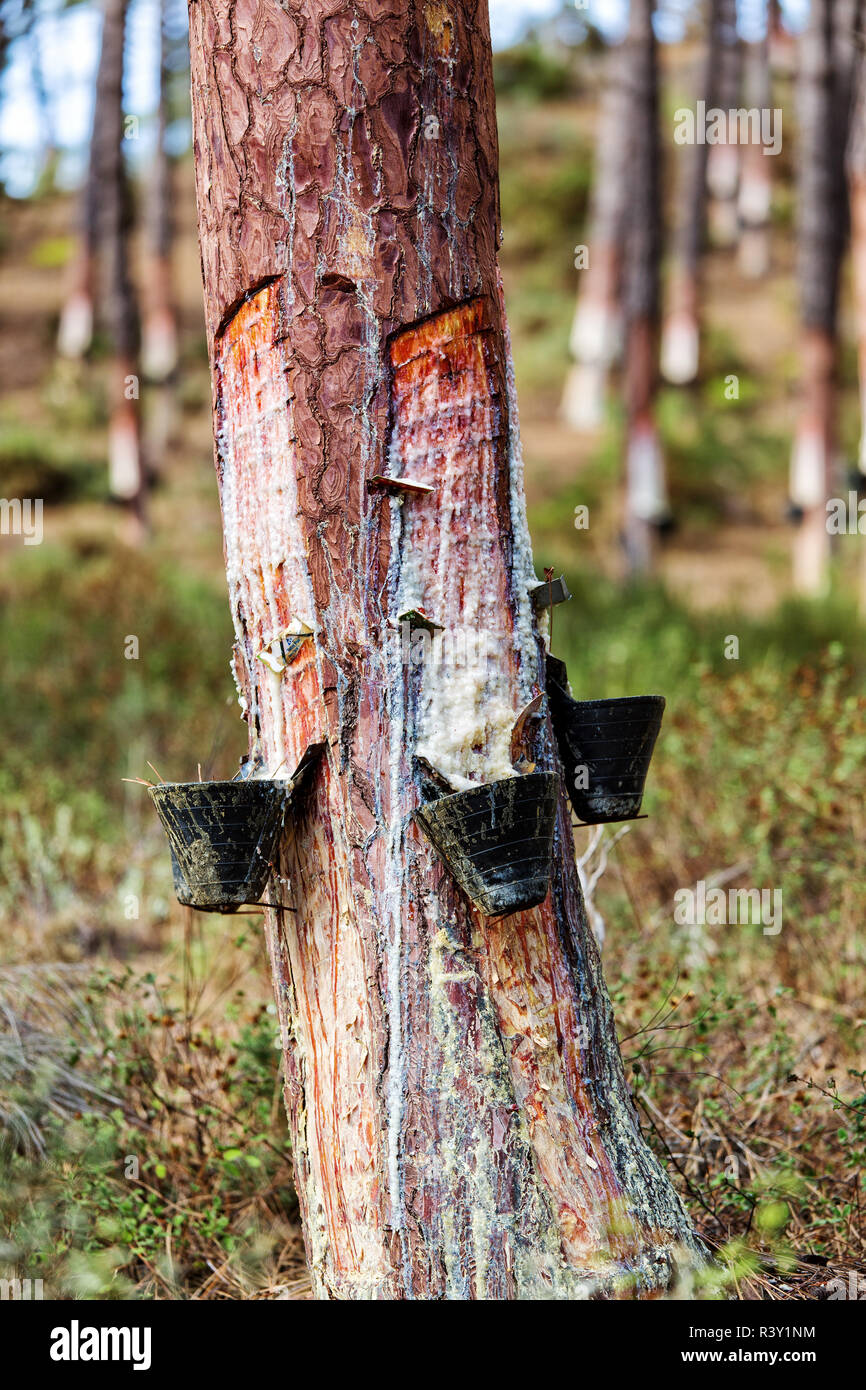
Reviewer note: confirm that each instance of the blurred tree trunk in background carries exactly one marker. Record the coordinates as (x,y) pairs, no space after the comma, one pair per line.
(723,163)
(856,169)
(75,332)
(597,329)
(824,91)
(783,44)
(113,218)
(461,1124)
(646,505)
(76,320)
(101,273)
(756,170)
(680,355)
(43,100)
(159,325)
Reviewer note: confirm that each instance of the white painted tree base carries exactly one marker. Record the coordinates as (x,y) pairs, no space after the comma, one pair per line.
(124,459)
(647,494)
(808,476)
(596,332)
(75,331)
(583,397)
(159,347)
(680,350)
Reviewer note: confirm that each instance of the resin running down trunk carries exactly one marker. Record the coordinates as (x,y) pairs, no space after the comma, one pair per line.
(460,1120)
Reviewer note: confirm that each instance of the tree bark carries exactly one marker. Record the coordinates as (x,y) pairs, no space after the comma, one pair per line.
(461,1124)
(645,505)
(824,89)
(597,329)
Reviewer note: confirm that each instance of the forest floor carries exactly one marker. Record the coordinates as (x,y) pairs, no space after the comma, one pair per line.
(146,1150)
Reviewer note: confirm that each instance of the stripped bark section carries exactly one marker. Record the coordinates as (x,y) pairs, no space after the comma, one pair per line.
(450,554)
(450,431)
(319,952)
(265,538)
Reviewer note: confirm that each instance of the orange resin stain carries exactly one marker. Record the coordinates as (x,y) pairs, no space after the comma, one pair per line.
(266,545)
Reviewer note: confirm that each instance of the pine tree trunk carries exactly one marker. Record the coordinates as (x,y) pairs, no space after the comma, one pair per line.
(825,85)
(103,261)
(645,506)
(597,328)
(460,1120)
(76,321)
(112,217)
(159,326)
(723,163)
(75,332)
(680,355)
(756,188)
(856,171)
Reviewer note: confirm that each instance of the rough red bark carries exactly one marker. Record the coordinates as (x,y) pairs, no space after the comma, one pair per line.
(461,1125)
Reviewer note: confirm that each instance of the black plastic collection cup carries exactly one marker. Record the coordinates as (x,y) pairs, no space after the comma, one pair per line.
(613,740)
(223,836)
(497,840)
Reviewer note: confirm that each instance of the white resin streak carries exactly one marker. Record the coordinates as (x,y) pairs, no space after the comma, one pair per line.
(467,702)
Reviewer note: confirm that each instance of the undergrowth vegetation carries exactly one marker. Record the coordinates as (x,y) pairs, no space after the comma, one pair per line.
(145,1153)
(744,1040)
